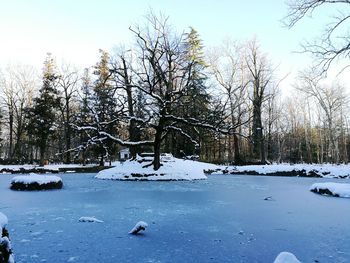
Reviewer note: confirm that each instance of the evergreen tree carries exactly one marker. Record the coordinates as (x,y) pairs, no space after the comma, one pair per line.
(43,113)
(104,108)
(84,116)
(196,101)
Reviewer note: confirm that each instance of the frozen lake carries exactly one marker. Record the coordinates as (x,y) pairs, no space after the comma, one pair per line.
(222,219)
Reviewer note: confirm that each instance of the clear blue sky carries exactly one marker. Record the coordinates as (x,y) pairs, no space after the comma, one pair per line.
(75,29)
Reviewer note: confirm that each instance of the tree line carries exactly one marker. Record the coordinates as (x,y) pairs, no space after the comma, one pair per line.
(166,94)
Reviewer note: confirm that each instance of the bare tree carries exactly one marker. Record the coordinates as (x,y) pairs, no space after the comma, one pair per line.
(260,75)
(18,85)
(123,76)
(67,86)
(163,75)
(334,42)
(331,99)
(227,66)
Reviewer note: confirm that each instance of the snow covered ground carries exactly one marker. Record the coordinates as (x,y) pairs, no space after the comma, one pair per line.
(231,218)
(54,167)
(172,169)
(322,170)
(329,188)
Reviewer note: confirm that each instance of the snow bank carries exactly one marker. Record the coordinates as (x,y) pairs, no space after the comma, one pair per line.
(36,182)
(172,169)
(334,189)
(3,221)
(312,170)
(286,257)
(50,167)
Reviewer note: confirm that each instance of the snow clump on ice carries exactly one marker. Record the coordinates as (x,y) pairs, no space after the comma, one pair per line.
(286,257)
(138,227)
(90,219)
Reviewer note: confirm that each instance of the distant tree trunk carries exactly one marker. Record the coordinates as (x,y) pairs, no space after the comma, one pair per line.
(10,154)
(42,149)
(83,157)
(68,132)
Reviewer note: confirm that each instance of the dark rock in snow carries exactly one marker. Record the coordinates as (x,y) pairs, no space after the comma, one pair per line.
(36,186)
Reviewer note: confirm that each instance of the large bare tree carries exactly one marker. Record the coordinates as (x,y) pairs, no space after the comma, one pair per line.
(260,76)
(333,42)
(227,66)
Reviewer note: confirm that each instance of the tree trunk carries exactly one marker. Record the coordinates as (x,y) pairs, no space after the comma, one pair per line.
(156,146)
(10,154)
(68,143)
(42,155)
(156,160)
(257,130)
(238,158)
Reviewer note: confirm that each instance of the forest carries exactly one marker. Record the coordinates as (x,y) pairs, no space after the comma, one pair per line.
(168,92)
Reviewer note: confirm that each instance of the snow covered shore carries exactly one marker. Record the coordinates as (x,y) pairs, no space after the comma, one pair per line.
(172,169)
(333,189)
(304,170)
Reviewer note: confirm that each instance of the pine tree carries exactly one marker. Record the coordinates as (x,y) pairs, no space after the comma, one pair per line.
(196,101)
(84,116)
(104,107)
(43,113)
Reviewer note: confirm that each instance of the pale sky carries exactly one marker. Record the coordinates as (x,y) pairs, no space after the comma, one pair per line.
(74,30)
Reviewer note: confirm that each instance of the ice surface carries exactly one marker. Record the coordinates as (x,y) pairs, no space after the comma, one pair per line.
(286,257)
(3,220)
(221,219)
(337,189)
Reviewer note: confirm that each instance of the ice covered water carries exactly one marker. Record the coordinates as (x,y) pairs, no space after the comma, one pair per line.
(223,219)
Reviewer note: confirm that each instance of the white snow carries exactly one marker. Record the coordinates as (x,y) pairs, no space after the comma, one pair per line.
(36,178)
(323,170)
(337,189)
(3,220)
(172,169)
(90,219)
(286,257)
(52,167)
(4,240)
(141,225)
